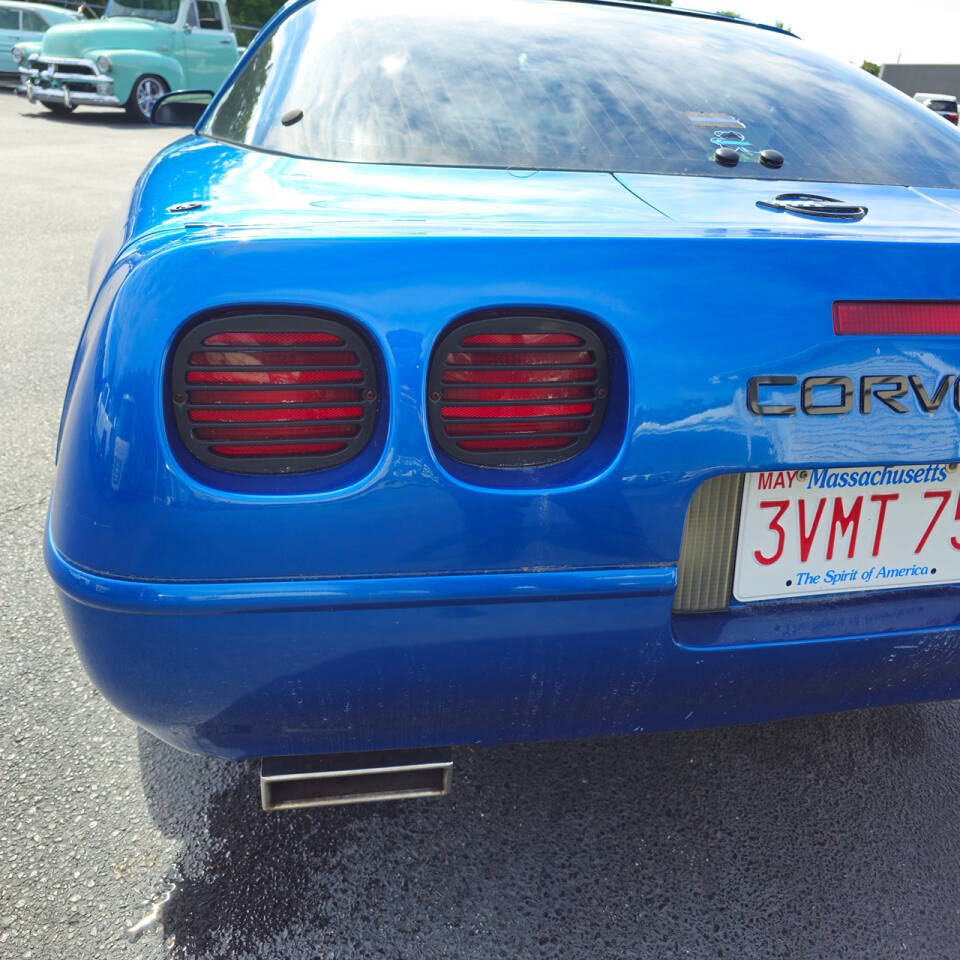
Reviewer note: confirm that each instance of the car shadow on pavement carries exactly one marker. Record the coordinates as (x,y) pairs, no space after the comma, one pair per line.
(830,836)
(80,118)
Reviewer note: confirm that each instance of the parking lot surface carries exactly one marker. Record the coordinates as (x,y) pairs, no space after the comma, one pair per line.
(832,837)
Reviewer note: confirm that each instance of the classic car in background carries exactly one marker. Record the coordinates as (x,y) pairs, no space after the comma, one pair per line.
(25,22)
(137,52)
(488,372)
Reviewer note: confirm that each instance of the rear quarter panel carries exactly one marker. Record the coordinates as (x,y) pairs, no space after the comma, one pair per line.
(695,318)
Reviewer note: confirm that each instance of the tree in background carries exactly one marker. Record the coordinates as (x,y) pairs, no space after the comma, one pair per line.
(253,13)
(873,68)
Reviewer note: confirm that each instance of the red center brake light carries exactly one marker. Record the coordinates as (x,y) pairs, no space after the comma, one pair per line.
(273,394)
(922,318)
(517,391)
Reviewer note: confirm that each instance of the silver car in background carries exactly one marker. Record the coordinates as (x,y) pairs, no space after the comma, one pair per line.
(942,103)
(24,21)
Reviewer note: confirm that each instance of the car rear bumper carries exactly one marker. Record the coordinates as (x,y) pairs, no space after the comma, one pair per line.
(272,668)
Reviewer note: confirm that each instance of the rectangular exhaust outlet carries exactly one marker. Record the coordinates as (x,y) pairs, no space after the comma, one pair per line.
(289,783)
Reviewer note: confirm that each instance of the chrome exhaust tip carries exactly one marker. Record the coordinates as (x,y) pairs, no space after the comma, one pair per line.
(290,783)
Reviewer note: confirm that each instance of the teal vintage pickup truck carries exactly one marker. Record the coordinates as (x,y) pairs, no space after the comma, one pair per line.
(138,51)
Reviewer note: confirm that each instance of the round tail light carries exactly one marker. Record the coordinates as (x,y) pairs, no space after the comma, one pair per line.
(273,394)
(517,391)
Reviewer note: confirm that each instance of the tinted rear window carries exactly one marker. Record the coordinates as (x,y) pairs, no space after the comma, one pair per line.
(943,105)
(549,84)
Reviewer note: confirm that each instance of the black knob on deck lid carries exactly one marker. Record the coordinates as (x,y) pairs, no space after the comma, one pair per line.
(291,117)
(771,158)
(727,156)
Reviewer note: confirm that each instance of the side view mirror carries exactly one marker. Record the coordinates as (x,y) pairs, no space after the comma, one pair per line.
(181,108)
(86,12)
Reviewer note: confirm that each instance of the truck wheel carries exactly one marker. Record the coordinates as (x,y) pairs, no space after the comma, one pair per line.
(59,109)
(146,91)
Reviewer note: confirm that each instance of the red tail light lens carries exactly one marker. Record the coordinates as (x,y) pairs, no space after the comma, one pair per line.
(306,431)
(274,376)
(539,401)
(278,449)
(522,340)
(518,427)
(272,358)
(916,318)
(261,338)
(520,393)
(502,411)
(244,413)
(274,394)
(561,375)
(519,358)
(515,443)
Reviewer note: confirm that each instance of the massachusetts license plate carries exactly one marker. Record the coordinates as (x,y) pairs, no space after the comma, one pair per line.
(839,530)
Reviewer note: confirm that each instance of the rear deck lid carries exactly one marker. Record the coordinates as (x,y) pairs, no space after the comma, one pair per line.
(792,206)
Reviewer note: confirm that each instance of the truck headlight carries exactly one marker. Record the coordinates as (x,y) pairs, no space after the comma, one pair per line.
(104,64)
(17,55)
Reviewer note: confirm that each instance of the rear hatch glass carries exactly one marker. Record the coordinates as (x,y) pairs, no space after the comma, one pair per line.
(572,86)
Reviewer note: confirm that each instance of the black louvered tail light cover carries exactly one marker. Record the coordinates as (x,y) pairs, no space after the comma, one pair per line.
(517,391)
(273,394)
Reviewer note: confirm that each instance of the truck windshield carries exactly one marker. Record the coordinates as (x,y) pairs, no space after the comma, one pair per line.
(165,11)
(541,84)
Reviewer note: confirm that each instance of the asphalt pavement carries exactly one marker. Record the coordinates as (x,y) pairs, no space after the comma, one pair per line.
(832,837)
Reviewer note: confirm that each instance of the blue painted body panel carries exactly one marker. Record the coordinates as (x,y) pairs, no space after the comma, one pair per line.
(403,600)
(296,667)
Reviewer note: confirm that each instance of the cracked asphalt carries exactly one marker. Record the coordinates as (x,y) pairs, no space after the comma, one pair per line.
(833,837)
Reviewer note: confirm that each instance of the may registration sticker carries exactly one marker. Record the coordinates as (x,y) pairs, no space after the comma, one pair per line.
(840,530)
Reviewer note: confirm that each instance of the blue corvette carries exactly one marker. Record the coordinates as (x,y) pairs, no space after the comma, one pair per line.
(533,370)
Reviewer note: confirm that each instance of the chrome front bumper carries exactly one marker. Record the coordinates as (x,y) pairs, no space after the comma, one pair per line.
(50,83)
